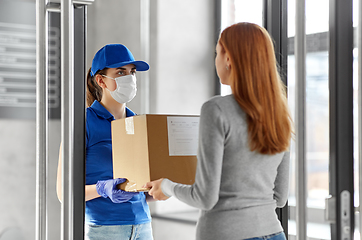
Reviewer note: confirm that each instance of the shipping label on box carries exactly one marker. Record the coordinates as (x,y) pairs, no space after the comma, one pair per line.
(148,147)
(183,135)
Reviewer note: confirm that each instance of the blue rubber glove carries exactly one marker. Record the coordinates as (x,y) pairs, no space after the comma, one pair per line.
(108,188)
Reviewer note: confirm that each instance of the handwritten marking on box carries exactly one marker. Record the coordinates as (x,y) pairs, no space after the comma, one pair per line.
(183,135)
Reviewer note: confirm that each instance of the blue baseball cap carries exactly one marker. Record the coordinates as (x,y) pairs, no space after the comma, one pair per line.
(114,56)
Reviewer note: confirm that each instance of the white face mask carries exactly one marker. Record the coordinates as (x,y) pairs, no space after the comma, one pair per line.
(126,88)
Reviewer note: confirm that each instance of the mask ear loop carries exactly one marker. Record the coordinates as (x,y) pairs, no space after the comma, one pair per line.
(107,77)
(105,83)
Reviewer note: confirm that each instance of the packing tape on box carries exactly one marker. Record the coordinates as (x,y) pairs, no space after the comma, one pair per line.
(131,186)
(129,125)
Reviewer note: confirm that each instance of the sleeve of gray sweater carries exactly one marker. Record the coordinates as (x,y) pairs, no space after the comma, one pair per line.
(281,184)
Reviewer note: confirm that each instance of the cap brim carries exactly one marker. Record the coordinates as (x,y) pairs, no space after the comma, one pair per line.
(140,65)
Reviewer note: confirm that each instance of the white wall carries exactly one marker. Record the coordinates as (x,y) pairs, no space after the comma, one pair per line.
(182,53)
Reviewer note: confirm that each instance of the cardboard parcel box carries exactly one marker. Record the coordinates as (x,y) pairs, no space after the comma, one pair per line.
(148,147)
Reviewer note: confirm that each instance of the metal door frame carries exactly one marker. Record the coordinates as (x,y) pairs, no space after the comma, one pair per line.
(341,117)
(72,115)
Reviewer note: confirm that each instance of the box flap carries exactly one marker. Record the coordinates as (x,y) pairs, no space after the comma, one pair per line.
(130,155)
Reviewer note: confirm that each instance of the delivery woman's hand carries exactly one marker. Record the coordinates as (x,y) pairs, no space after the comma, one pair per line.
(108,188)
(155,189)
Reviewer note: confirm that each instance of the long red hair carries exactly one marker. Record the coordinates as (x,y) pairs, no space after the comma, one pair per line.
(257,87)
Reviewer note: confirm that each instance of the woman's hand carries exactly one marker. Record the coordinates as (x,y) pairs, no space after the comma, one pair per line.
(155,189)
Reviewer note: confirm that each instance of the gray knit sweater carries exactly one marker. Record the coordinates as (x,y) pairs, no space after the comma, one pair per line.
(237,190)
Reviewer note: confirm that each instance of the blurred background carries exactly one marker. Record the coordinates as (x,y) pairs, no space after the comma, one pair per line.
(177,39)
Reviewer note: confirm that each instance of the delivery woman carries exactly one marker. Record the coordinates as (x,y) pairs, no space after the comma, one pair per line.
(110,213)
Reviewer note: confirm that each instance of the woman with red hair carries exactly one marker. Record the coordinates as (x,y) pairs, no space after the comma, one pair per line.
(243,160)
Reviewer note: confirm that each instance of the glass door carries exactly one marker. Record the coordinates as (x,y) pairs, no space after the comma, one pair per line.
(316,116)
(17,119)
(320,93)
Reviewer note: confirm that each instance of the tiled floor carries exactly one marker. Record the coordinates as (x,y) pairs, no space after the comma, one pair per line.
(173,220)
(171,230)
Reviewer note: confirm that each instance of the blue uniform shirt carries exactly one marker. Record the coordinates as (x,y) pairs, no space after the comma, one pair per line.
(102,211)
